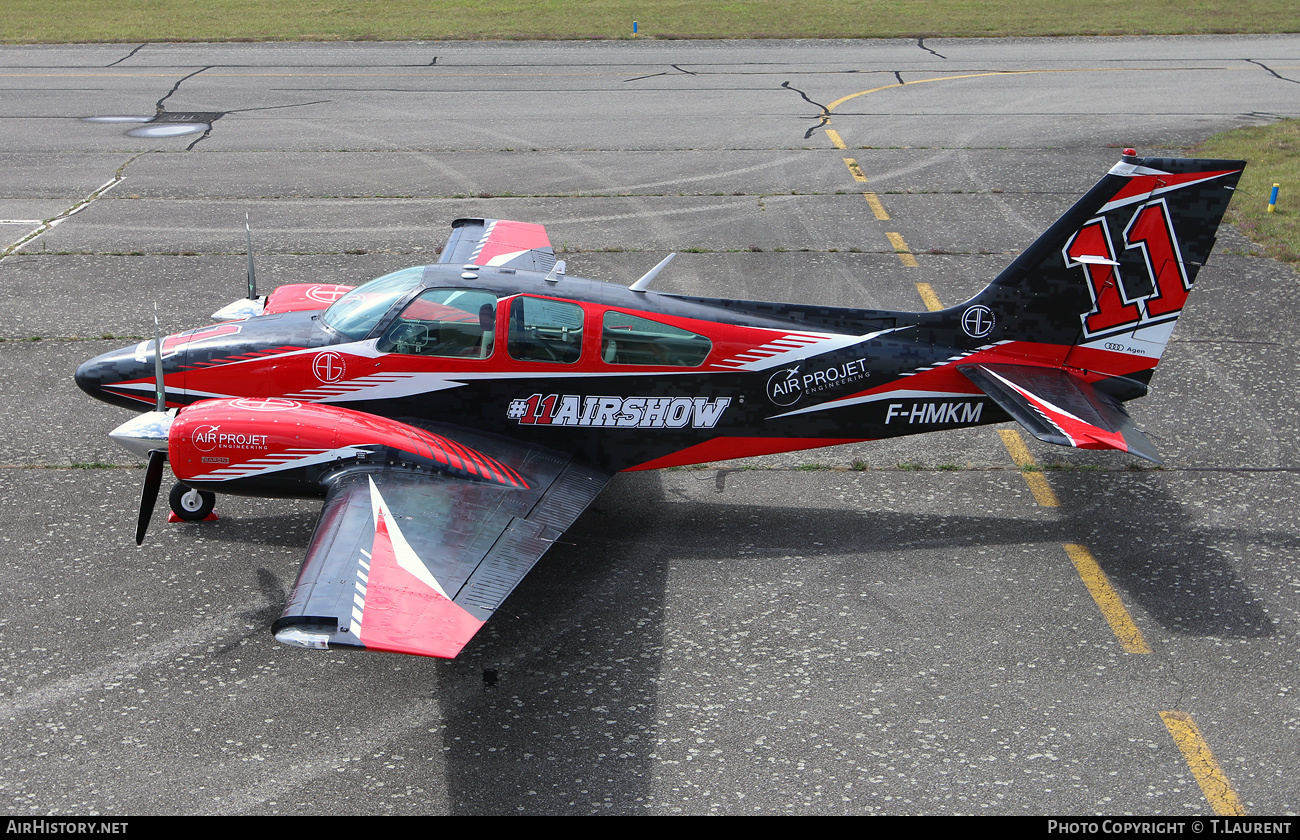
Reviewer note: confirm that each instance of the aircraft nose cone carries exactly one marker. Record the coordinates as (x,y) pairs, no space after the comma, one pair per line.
(112,376)
(87,378)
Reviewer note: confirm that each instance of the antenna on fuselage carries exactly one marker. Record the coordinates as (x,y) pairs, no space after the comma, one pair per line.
(642,284)
(252,279)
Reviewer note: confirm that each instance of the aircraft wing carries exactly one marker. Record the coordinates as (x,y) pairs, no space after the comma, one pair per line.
(415,562)
(499,242)
(1062,408)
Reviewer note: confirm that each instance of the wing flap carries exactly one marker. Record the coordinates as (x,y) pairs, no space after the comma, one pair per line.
(415,562)
(523,543)
(1058,407)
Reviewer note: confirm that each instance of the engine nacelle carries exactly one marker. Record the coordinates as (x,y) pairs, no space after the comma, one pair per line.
(295,297)
(279,447)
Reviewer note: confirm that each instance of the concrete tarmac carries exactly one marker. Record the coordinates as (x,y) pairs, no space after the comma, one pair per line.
(899,628)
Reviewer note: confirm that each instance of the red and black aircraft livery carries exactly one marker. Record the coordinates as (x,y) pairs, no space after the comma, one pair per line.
(458,417)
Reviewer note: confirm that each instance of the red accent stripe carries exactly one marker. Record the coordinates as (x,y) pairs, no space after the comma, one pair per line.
(1140,186)
(486,466)
(403,615)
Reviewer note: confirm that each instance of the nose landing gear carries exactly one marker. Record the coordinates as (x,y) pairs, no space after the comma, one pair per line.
(190,505)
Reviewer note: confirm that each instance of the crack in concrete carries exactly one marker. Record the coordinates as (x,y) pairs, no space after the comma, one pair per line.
(210,117)
(920,42)
(128,55)
(1271,70)
(678,68)
(49,224)
(175,87)
(200,138)
(824,117)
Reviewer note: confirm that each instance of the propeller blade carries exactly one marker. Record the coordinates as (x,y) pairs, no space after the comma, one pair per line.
(252,280)
(149,494)
(160,389)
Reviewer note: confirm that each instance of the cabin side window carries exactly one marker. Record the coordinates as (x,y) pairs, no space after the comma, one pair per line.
(544,330)
(631,340)
(460,323)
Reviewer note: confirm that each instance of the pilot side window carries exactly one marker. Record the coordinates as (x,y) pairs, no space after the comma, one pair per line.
(543,330)
(459,323)
(629,340)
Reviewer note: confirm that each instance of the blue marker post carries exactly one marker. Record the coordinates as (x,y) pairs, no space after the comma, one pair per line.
(1272,199)
(634,29)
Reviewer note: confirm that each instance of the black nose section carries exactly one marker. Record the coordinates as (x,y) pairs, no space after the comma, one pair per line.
(87,377)
(114,376)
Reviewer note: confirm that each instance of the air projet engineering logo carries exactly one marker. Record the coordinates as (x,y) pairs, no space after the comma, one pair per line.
(788,385)
(207,438)
(627,412)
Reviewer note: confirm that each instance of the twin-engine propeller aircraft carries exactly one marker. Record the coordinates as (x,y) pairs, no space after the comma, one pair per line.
(458,417)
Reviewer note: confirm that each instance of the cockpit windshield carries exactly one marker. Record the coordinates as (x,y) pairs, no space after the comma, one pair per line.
(356,313)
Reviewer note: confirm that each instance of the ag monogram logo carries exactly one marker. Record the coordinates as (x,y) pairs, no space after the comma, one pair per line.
(328,367)
(977,321)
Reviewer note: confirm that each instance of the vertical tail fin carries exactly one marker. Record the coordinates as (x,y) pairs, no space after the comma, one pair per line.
(1112,274)
(1096,298)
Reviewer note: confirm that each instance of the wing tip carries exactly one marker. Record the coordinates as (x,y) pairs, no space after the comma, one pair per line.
(324,633)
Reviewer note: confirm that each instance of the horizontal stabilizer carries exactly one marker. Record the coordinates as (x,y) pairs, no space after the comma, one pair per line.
(500,243)
(1059,407)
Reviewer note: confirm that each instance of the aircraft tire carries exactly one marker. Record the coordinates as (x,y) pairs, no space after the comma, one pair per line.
(191,505)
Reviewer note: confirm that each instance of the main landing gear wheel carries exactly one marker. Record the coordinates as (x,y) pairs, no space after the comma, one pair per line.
(190,504)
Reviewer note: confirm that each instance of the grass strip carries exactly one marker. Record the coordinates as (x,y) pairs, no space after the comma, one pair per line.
(1272,155)
(85,21)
